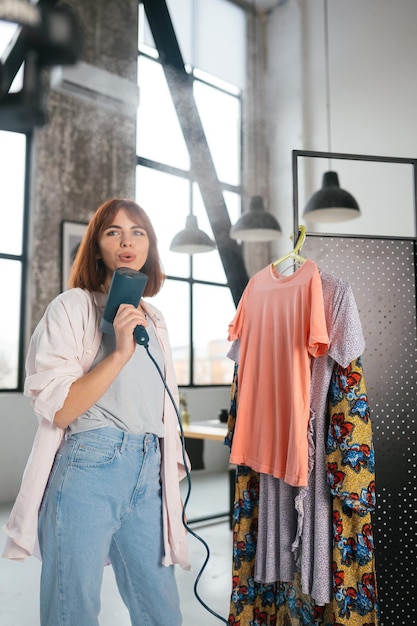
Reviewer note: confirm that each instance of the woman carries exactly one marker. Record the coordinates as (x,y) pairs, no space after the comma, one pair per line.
(105,495)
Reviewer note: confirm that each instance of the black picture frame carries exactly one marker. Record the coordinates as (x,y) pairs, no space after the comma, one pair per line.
(71,235)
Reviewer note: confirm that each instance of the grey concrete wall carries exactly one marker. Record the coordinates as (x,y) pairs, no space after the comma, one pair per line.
(87,151)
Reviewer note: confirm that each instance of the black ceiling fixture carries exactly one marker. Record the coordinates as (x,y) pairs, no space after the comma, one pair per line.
(49,35)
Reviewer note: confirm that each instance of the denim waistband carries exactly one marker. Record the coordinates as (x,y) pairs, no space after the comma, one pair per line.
(116,436)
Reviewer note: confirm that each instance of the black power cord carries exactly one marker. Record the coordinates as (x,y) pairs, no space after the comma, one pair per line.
(144,340)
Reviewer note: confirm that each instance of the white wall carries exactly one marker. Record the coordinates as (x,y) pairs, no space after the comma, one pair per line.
(17,429)
(372,60)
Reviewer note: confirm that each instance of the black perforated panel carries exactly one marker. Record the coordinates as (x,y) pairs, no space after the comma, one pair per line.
(383,277)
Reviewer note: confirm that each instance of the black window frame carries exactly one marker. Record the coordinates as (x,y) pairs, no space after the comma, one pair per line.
(188,175)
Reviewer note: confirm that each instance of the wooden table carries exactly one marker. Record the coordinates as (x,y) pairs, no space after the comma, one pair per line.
(210,429)
(213,430)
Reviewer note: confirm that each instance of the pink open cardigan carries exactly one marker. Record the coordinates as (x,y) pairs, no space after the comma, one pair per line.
(62,349)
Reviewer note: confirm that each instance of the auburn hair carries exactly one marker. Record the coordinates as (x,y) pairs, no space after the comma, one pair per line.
(88,271)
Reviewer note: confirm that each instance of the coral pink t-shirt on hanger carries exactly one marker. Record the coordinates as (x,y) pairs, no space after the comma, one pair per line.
(280,323)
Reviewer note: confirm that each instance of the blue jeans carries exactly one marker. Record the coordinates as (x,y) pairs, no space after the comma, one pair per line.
(103,503)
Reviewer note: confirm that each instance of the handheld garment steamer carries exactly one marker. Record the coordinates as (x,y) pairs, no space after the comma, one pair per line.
(126,287)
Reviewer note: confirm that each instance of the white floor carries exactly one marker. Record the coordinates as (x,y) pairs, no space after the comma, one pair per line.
(19,582)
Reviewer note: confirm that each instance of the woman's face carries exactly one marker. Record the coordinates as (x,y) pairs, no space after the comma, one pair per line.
(124,243)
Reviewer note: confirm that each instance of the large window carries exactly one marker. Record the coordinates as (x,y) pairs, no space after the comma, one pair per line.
(196,299)
(12,185)
(13,151)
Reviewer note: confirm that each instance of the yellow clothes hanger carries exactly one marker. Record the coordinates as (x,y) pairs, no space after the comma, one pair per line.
(302,231)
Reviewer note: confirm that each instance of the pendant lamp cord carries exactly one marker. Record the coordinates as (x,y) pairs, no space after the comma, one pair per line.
(327,77)
(255,121)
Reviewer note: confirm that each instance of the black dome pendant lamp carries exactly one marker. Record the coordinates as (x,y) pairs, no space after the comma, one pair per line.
(192,240)
(256,224)
(331,203)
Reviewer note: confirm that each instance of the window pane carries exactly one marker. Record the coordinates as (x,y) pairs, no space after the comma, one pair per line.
(208,266)
(174,302)
(224,24)
(213,311)
(182,14)
(197,23)
(220,116)
(12,185)
(145,39)
(159,134)
(166,199)
(234,205)
(10,282)
(8,31)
